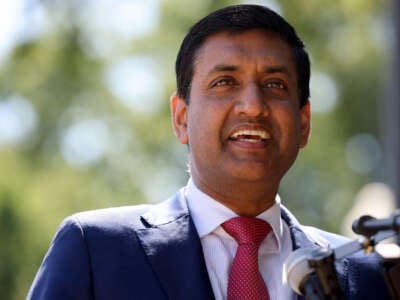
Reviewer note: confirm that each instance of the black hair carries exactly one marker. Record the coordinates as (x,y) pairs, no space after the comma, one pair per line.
(237,19)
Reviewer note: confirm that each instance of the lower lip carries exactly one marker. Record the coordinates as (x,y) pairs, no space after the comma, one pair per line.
(250,145)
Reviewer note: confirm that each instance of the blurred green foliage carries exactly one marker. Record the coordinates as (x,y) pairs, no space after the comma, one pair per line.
(64,82)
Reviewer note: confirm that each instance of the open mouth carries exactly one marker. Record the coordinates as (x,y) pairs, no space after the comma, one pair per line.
(251,136)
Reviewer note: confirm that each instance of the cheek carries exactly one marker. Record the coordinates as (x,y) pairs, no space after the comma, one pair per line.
(206,120)
(288,122)
(200,127)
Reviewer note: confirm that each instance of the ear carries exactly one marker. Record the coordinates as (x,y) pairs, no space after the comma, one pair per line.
(179,118)
(305,123)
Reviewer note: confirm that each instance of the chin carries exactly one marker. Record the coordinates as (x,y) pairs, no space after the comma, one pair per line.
(258,173)
(253,175)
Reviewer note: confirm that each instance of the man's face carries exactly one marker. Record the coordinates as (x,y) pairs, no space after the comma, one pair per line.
(243,122)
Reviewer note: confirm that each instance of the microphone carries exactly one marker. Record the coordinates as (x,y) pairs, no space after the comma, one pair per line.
(311,272)
(369,226)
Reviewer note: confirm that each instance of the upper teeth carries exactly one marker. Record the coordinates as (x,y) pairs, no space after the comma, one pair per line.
(260,133)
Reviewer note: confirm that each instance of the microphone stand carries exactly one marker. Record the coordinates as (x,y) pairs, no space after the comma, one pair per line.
(313,273)
(323,263)
(371,227)
(391,272)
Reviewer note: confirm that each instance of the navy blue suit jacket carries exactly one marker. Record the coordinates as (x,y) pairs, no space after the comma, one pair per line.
(154,252)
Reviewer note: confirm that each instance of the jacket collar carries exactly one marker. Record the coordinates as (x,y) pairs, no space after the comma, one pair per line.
(300,238)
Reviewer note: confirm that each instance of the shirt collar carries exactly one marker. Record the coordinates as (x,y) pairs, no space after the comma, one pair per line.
(208,214)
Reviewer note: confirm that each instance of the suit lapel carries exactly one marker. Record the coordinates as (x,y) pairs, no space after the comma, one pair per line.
(173,248)
(299,238)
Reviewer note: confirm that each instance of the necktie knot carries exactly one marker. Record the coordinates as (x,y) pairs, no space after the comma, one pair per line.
(247,230)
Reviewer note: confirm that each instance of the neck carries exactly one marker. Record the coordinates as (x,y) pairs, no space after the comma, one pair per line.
(244,198)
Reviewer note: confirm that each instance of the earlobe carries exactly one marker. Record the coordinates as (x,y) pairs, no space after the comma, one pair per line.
(179,118)
(305,123)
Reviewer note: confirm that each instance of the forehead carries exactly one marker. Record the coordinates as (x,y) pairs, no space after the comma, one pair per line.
(264,48)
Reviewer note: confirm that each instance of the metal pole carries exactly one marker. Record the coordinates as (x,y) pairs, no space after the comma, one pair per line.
(390,117)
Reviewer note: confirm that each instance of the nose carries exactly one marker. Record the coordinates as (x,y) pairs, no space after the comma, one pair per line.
(251,102)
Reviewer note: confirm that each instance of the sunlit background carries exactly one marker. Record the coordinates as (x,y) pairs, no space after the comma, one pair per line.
(84,114)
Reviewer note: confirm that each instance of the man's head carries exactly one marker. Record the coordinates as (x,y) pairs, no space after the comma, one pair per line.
(234,20)
(238,107)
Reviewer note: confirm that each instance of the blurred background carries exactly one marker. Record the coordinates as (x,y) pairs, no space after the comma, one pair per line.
(84,114)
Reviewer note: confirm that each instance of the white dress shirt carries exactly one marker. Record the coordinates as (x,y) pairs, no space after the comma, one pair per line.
(219,247)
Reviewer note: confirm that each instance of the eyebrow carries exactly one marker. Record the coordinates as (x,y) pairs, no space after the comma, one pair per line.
(267,70)
(223,67)
(277,69)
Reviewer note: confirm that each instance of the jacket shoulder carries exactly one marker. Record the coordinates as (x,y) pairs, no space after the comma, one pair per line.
(325,238)
(124,216)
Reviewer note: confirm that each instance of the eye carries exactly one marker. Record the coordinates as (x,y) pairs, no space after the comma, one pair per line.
(223,82)
(275,85)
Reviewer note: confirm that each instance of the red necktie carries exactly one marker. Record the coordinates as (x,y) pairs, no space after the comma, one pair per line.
(245,281)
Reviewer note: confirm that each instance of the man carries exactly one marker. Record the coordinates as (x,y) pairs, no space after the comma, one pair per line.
(242,108)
